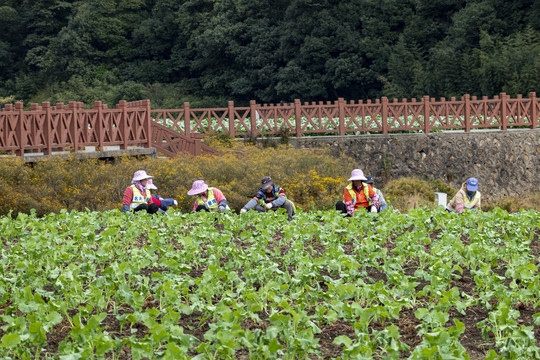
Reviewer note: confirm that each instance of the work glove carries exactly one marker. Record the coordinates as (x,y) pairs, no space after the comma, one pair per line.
(175,202)
(373,208)
(221,208)
(125,209)
(350,208)
(243,211)
(268,206)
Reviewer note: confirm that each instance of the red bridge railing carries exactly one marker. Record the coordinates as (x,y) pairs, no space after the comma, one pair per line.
(342,117)
(45,128)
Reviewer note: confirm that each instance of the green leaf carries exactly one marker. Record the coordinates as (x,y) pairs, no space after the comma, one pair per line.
(54,318)
(10,340)
(342,340)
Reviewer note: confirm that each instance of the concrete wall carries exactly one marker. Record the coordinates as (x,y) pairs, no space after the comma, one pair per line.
(505,162)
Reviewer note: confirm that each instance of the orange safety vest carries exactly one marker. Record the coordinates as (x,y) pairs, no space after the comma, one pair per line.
(353,193)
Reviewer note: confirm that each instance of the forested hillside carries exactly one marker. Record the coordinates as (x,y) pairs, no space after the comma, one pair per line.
(210,51)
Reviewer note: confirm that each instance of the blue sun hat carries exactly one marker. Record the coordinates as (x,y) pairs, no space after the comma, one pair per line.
(472,184)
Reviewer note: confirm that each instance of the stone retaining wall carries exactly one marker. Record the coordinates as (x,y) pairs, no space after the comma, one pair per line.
(505,162)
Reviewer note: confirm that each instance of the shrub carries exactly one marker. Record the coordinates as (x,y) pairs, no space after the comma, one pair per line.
(407,193)
(312,179)
(514,204)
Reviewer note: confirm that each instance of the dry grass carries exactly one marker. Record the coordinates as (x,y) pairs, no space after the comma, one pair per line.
(514,204)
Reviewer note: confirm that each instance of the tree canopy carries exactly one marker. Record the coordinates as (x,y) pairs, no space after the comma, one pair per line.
(210,51)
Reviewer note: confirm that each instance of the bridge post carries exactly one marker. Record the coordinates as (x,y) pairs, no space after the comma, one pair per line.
(72,105)
(298,117)
(99,129)
(123,123)
(504,120)
(232,130)
(341,114)
(20,132)
(187,120)
(427,120)
(253,115)
(197,143)
(47,127)
(534,113)
(467,110)
(147,123)
(384,115)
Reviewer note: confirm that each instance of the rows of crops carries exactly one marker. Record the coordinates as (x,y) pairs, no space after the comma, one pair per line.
(420,285)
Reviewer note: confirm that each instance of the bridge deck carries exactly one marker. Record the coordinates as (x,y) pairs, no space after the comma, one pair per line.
(108,152)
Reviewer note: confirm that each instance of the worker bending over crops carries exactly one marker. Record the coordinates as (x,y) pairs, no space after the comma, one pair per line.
(467,198)
(270,197)
(137,196)
(207,198)
(383,205)
(162,203)
(358,195)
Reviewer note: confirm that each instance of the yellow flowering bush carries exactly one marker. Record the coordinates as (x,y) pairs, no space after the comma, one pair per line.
(312,179)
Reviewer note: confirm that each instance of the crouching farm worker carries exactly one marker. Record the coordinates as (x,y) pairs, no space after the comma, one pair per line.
(467,198)
(208,198)
(162,203)
(358,195)
(383,205)
(137,196)
(270,197)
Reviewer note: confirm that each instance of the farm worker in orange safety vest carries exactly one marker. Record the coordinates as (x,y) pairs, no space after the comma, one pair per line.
(467,198)
(137,197)
(208,198)
(358,195)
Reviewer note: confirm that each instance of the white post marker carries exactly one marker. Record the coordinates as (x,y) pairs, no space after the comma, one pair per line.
(440,199)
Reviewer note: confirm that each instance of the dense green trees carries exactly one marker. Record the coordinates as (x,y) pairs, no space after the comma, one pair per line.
(210,51)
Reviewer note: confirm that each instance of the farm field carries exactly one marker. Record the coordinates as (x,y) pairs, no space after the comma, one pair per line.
(422,285)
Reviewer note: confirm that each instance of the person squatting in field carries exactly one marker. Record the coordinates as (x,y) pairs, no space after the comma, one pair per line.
(270,197)
(467,198)
(383,205)
(358,195)
(137,196)
(161,202)
(207,198)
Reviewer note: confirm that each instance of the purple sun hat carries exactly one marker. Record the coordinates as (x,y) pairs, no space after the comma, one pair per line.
(140,175)
(357,174)
(198,187)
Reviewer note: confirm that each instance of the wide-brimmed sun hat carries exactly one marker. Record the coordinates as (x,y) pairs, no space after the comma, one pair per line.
(357,174)
(141,175)
(198,187)
(266,183)
(150,185)
(472,184)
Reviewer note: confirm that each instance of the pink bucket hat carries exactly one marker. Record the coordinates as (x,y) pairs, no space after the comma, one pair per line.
(141,175)
(198,187)
(150,185)
(357,174)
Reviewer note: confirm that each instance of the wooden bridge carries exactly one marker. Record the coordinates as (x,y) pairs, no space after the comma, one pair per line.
(46,129)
